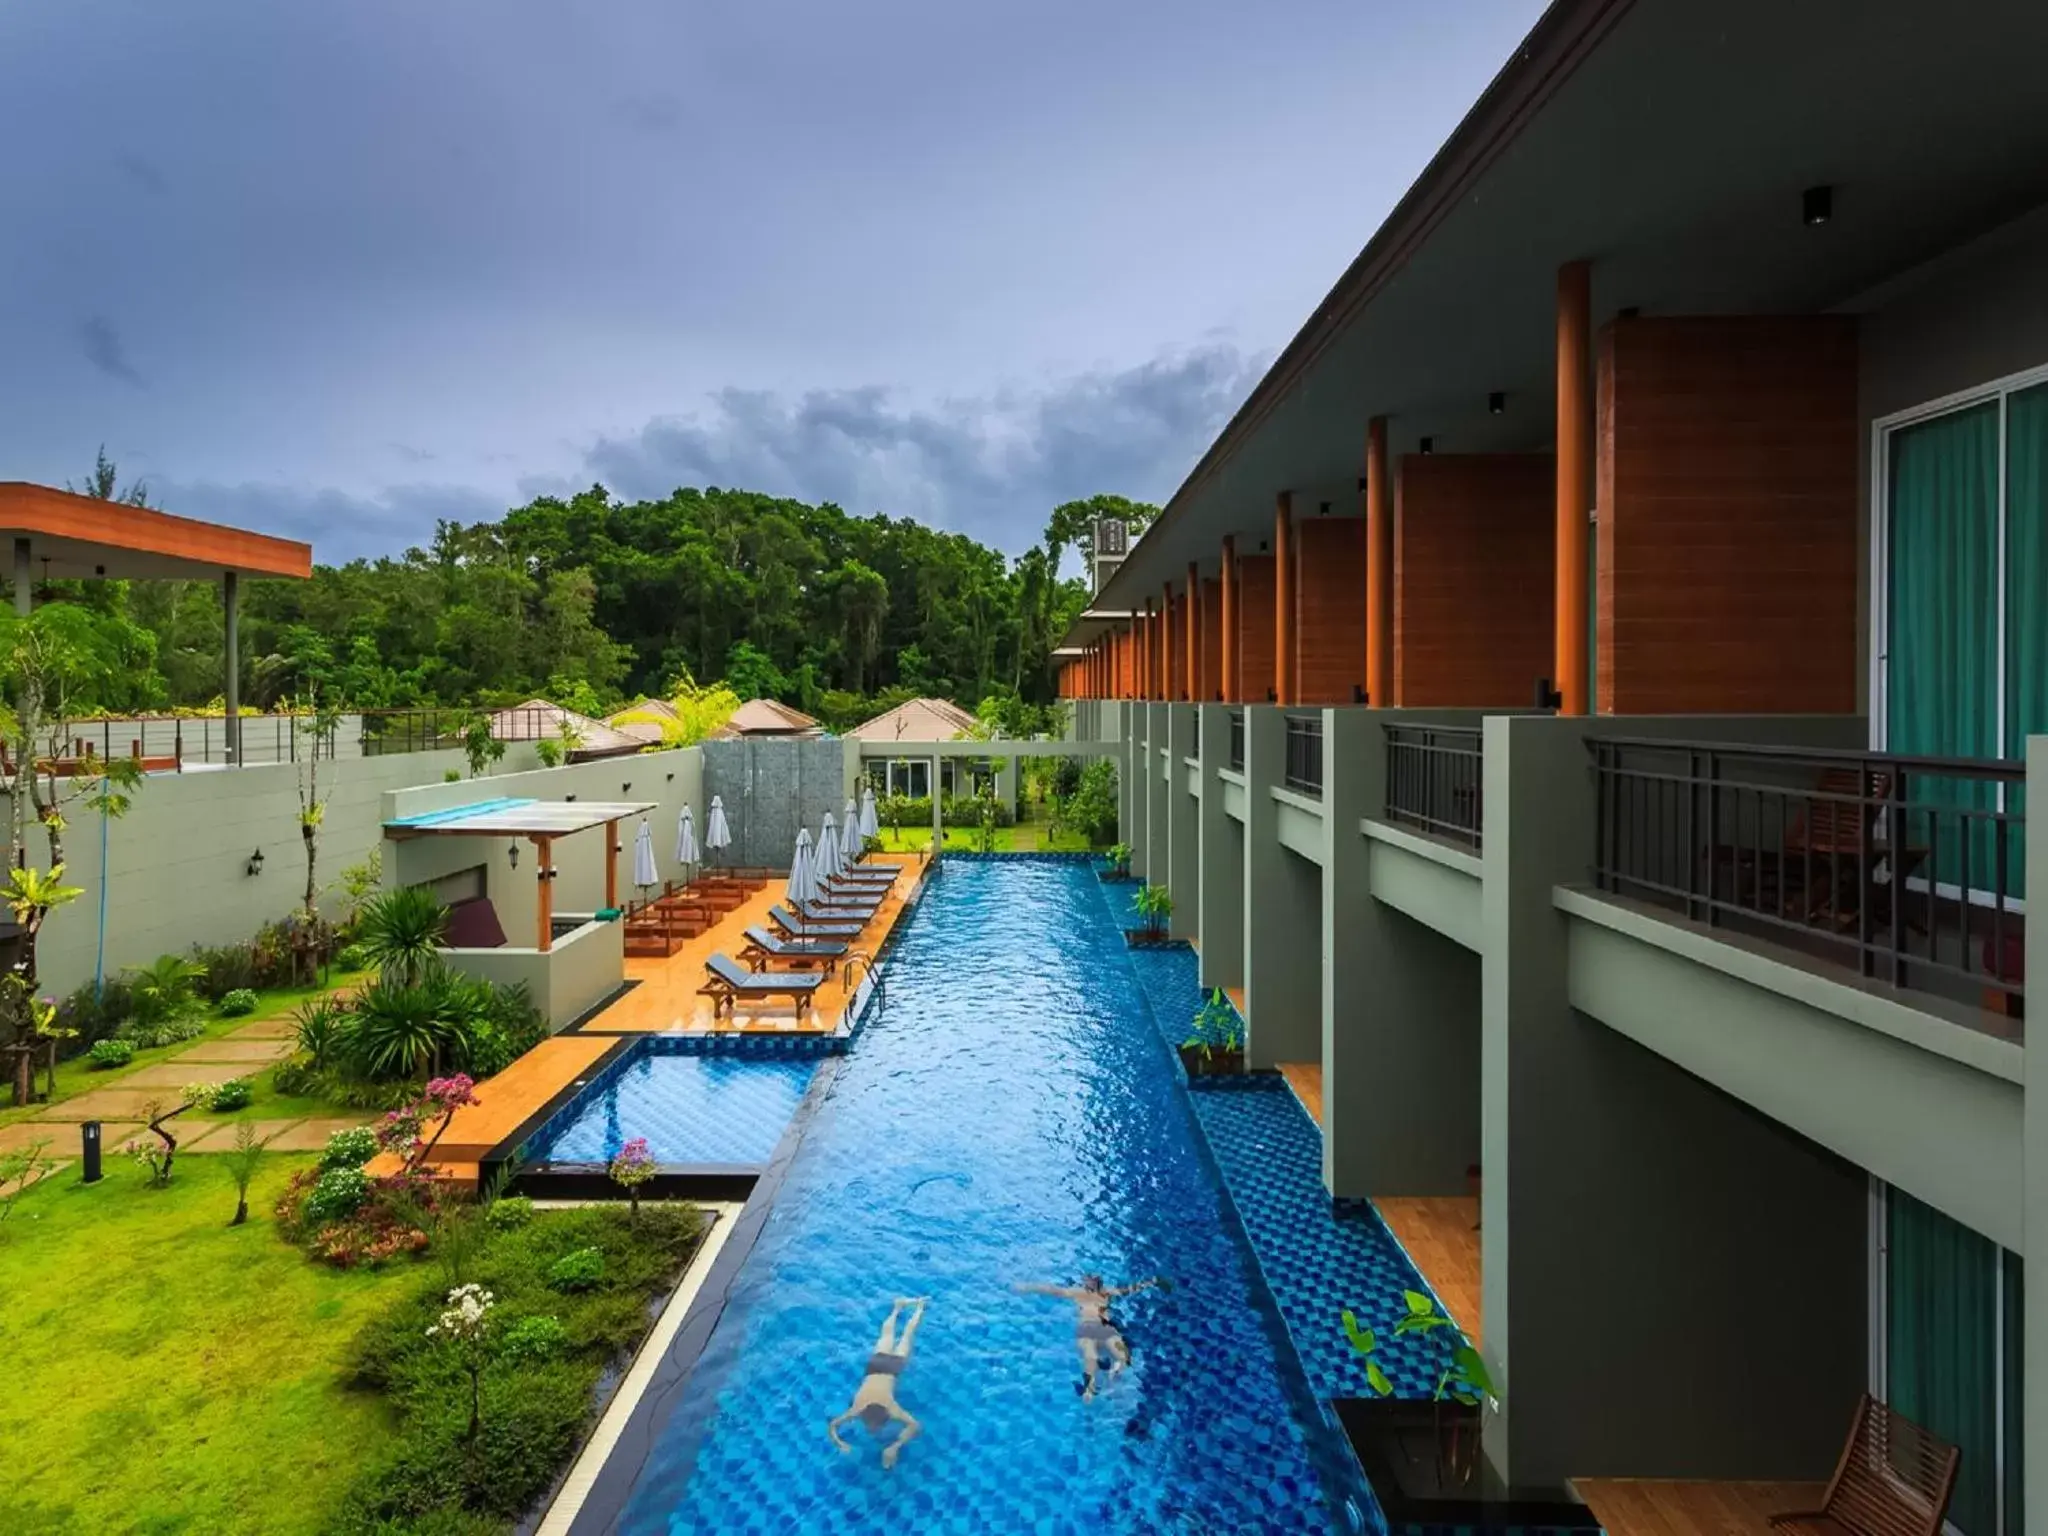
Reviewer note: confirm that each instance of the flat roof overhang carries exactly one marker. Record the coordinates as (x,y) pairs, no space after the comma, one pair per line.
(516,818)
(1669,146)
(80,537)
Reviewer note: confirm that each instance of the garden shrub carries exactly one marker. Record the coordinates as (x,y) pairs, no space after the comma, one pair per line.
(163,989)
(352,958)
(237,1004)
(223,968)
(225,1098)
(111,1053)
(298,1079)
(338,1192)
(94,1012)
(540,1337)
(509,1213)
(580,1270)
(350,1148)
(150,1035)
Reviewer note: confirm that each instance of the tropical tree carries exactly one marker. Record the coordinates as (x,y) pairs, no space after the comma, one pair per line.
(401,931)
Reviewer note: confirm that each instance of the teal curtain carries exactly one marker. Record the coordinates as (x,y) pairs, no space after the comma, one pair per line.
(2015,1397)
(2026,579)
(1941,1345)
(1941,696)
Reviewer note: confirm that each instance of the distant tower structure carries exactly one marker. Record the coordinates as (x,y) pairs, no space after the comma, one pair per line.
(1112,543)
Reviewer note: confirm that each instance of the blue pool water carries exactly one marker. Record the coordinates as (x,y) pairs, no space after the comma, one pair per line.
(696,1110)
(1013,1115)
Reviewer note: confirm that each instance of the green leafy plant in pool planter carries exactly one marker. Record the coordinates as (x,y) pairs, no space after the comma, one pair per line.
(1367,1343)
(1215,1036)
(1119,856)
(1463,1382)
(1155,905)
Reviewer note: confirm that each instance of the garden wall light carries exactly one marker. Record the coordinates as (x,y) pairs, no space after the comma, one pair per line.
(256,862)
(512,855)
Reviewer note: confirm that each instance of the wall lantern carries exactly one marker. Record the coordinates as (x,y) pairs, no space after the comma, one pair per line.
(1428,446)
(1817,205)
(512,855)
(1497,403)
(256,862)
(626,788)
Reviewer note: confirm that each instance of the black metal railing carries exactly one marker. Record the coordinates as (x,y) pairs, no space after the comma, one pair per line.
(1433,778)
(167,742)
(1303,769)
(1237,740)
(444,728)
(1910,870)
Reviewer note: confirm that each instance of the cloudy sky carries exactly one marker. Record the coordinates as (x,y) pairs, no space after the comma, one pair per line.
(335,268)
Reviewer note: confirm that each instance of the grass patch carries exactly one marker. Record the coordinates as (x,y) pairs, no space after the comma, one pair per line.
(1025,837)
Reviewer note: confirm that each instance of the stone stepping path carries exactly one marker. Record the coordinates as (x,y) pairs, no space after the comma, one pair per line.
(252,1053)
(178,1073)
(266,1029)
(276,1135)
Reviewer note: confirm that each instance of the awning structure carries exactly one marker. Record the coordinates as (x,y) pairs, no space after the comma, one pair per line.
(69,536)
(540,822)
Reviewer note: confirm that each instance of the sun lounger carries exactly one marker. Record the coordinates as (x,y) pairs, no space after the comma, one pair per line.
(763,948)
(879,879)
(842,911)
(726,982)
(814,928)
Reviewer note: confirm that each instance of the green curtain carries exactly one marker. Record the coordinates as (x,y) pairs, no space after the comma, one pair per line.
(1941,1345)
(1941,697)
(2026,578)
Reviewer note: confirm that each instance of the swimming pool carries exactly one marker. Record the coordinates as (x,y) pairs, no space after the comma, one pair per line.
(695,1109)
(1012,1116)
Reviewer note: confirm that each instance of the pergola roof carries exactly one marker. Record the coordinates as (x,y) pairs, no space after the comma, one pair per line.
(517,818)
(73,536)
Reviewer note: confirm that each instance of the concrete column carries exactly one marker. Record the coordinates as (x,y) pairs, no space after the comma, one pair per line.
(1574,479)
(1400,1003)
(1283,926)
(1627,1206)
(1183,825)
(1158,840)
(938,815)
(1128,823)
(1379,569)
(231,666)
(1285,589)
(1231,692)
(1220,872)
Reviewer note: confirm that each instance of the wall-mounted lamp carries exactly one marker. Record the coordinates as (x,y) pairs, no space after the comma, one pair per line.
(1497,403)
(1361,485)
(671,778)
(626,788)
(1322,509)
(1628,312)
(256,862)
(1817,205)
(1428,445)
(512,855)
(568,799)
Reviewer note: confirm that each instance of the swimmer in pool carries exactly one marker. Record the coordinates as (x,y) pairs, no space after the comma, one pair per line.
(1095,1331)
(874,1403)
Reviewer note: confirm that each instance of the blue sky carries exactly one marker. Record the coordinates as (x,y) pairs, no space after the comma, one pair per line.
(338,269)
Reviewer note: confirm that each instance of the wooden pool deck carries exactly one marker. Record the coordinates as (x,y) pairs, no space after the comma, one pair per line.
(1441,1236)
(662,999)
(1657,1507)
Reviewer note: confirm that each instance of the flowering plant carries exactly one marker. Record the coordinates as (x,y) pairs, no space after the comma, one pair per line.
(404,1131)
(633,1167)
(465,1327)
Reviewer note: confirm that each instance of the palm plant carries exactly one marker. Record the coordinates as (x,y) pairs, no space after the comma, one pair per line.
(163,988)
(393,1031)
(241,1165)
(1155,905)
(320,1023)
(400,931)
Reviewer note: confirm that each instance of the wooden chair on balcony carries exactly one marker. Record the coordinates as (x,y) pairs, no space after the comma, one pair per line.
(1827,864)
(1894,1479)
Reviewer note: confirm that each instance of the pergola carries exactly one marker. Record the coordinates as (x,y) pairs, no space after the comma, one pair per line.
(540,822)
(73,537)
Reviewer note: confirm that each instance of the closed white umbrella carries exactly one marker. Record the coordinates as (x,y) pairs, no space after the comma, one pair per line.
(826,863)
(849,837)
(686,840)
(803,877)
(868,825)
(644,872)
(717,834)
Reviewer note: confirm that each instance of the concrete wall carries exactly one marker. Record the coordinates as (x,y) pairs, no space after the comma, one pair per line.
(770,789)
(1183,824)
(1220,857)
(582,969)
(1283,924)
(177,863)
(669,779)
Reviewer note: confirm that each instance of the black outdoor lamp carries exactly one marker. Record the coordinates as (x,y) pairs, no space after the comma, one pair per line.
(1497,403)
(626,788)
(256,862)
(1817,205)
(512,855)
(1428,446)
(89,1147)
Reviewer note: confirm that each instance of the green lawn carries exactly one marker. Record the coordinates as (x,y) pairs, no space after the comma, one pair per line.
(79,1075)
(168,1373)
(1028,837)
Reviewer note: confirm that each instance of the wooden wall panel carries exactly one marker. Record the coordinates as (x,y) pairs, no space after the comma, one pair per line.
(1255,621)
(1177,633)
(1474,598)
(1727,540)
(1329,629)
(1211,640)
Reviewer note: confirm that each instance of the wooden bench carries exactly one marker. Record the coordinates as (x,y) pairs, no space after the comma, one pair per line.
(1894,1479)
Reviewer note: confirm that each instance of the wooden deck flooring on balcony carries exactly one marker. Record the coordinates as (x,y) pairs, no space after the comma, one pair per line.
(1441,1236)
(1659,1507)
(1306,1079)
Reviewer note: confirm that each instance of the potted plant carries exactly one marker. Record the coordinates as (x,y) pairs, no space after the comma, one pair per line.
(1464,1390)
(1119,856)
(1155,905)
(1215,1043)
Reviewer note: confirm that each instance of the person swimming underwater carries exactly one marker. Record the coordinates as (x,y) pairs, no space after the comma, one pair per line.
(1095,1331)
(874,1401)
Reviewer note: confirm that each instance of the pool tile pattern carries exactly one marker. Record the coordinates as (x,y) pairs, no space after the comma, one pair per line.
(1318,1257)
(695,1111)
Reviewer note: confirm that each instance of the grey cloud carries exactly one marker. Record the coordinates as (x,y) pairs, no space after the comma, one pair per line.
(103,348)
(340,525)
(412,455)
(991,467)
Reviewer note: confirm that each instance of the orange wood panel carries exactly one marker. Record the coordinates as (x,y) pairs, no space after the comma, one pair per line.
(116,527)
(1211,639)
(1255,627)
(1729,515)
(1284,589)
(1233,682)
(1379,585)
(1329,625)
(1440,1234)
(544,872)
(1473,598)
(1191,638)
(1306,1079)
(1574,470)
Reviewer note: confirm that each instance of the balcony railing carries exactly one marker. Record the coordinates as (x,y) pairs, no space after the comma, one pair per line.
(443,729)
(1433,777)
(167,742)
(1237,740)
(1303,768)
(1910,870)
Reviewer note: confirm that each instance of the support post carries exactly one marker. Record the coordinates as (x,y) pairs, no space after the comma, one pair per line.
(231,666)
(544,873)
(1284,582)
(611,864)
(1231,693)
(1194,692)
(1574,479)
(1379,569)
(938,810)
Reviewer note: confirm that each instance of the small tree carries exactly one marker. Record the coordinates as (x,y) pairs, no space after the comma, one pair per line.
(313,724)
(479,745)
(31,895)
(633,1167)
(241,1165)
(18,1170)
(465,1328)
(158,1156)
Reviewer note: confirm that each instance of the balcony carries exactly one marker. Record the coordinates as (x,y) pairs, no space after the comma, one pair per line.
(1907,870)
(1237,741)
(1433,778)
(1302,770)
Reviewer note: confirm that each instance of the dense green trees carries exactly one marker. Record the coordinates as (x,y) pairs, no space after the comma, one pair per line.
(592,600)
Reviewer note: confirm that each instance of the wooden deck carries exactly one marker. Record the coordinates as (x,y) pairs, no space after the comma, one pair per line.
(1655,1507)
(1441,1235)
(1306,1079)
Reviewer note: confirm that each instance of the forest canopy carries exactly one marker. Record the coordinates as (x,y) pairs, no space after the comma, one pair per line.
(592,601)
